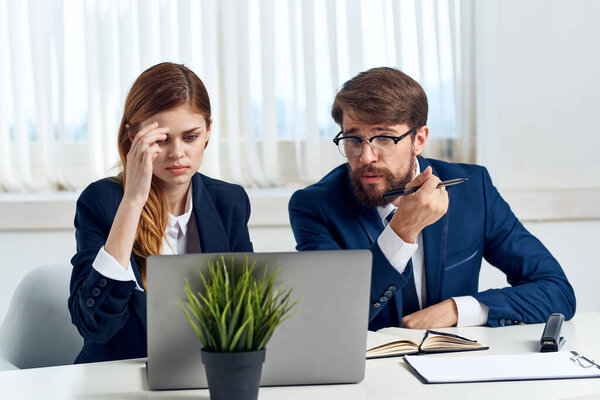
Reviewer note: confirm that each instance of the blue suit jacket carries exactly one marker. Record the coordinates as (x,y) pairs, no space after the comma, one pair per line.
(110,314)
(479,223)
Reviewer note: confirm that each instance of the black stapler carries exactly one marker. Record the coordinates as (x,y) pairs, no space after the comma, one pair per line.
(551,339)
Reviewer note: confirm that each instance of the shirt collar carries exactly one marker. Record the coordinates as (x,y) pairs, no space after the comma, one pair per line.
(384,211)
(181,222)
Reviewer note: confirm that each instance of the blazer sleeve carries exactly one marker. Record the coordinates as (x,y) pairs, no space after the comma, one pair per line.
(313,230)
(98,305)
(240,237)
(539,286)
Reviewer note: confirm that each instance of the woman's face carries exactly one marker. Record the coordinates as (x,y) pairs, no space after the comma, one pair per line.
(183,150)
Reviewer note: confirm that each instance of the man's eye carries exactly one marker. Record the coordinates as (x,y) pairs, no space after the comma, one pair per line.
(383,140)
(353,141)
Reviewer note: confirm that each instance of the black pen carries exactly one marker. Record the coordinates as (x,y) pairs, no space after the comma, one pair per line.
(403,191)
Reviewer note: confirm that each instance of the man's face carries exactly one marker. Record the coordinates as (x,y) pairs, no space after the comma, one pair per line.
(373,174)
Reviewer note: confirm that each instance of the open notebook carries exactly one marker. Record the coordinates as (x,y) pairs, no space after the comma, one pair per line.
(392,342)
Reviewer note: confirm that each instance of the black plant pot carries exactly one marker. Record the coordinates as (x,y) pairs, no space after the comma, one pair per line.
(233,375)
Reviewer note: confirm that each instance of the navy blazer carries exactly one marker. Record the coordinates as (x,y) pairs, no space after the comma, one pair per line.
(110,314)
(478,224)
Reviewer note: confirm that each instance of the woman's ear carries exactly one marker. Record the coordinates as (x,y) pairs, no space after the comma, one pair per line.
(130,133)
(208,131)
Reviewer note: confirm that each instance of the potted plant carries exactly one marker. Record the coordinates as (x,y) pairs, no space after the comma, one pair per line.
(234,316)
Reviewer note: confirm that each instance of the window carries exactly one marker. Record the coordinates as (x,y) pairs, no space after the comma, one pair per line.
(272,68)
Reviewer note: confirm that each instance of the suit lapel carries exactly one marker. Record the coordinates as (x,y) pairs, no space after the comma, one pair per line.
(367,218)
(434,243)
(212,235)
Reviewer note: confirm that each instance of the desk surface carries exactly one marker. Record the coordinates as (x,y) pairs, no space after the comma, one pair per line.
(385,378)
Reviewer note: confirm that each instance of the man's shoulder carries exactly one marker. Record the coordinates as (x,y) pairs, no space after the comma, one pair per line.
(330,186)
(447,170)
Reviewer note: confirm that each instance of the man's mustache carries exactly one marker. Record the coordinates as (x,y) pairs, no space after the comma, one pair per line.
(371,169)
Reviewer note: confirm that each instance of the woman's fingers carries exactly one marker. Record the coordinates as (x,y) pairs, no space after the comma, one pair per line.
(145,139)
(136,135)
(150,154)
(144,132)
(150,138)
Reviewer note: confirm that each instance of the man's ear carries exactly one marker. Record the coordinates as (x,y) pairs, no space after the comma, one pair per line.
(420,139)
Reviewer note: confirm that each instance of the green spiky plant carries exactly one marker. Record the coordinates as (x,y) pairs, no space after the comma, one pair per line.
(237,311)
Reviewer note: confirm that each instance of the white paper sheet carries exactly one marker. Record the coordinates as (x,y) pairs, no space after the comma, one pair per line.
(500,367)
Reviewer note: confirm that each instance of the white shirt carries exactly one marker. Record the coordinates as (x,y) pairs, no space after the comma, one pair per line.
(470,311)
(174,243)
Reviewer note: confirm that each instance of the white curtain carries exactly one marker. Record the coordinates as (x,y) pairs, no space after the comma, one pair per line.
(272,68)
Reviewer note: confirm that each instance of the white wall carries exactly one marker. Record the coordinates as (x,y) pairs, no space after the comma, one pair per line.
(545,96)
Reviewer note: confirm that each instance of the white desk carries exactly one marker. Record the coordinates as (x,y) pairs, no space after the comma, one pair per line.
(385,378)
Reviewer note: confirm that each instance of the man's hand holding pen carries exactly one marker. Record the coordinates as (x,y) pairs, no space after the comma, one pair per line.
(421,208)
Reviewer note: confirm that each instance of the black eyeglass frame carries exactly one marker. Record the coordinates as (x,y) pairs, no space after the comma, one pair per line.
(396,139)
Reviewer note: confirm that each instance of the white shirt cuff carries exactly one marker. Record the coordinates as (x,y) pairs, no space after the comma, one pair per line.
(396,250)
(108,266)
(470,311)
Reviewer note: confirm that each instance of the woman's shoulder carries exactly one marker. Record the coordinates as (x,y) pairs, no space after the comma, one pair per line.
(109,188)
(219,188)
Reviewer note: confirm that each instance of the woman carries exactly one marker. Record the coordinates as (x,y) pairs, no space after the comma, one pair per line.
(159,204)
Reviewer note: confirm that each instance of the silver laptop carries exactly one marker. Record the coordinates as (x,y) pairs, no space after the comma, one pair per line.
(324,343)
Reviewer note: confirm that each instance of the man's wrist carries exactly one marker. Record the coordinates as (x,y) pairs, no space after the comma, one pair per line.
(470,311)
(396,250)
(454,311)
(408,233)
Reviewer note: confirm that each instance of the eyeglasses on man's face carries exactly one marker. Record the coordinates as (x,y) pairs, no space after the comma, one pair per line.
(382,145)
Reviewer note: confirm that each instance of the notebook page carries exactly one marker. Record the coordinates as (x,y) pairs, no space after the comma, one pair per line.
(404,333)
(375,339)
(499,367)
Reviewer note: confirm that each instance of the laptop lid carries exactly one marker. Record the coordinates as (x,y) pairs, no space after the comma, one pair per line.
(324,342)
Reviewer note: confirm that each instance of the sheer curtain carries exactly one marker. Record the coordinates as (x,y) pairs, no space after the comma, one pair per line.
(272,68)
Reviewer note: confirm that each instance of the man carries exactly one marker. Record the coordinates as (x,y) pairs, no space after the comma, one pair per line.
(426,260)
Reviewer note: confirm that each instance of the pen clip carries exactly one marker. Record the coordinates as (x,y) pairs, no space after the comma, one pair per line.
(583,362)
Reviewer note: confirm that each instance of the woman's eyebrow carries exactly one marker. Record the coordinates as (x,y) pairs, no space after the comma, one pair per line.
(191,130)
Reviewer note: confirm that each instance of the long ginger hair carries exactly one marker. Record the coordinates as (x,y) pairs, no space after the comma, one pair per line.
(162,87)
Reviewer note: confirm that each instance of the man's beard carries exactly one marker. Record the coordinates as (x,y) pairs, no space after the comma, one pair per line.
(368,194)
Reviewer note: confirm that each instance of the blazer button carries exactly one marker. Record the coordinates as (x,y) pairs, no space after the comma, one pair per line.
(90,302)
(502,322)
(388,293)
(95,292)
(102,282)
(376,305)
(383,299)
(392,288)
